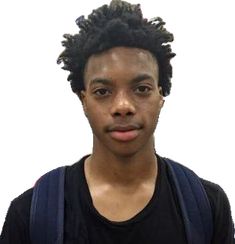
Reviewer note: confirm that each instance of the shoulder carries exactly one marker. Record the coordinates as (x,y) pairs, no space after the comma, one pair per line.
(214,191)
(217,197)
(20,208)
(15,228)
(221,211)
(21,205)
(222,216)
(23,201)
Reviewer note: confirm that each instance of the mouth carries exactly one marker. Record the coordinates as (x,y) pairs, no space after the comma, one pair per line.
(124,133)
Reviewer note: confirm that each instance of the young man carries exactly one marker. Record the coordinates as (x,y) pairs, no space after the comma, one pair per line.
(120,69)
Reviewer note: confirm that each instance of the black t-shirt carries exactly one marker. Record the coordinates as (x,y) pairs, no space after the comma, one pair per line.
(159,222)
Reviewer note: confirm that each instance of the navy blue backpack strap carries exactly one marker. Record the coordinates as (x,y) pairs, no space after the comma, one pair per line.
(194,203)
(47,208)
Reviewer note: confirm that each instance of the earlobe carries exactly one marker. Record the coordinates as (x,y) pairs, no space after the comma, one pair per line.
(162,101)
(160,90)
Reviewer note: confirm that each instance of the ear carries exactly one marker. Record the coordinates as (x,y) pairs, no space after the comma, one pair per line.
(162,101)
(82,97)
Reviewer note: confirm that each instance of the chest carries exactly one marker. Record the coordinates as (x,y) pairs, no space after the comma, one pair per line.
(120,203)
(156,220)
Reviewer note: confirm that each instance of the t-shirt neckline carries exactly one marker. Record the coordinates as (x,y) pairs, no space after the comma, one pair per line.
(153,202)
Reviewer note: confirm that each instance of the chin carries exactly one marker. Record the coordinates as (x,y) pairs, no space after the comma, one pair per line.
(126,151)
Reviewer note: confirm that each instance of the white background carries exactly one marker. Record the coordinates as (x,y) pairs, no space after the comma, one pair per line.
(42,125)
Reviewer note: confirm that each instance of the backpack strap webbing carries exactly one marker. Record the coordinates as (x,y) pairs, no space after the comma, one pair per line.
(194,203)
(47,208)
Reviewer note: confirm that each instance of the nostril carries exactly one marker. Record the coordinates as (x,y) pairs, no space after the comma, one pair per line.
(122,108)
(116,114)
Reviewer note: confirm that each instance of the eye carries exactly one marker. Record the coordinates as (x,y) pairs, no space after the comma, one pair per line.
(142,89)
(101,92)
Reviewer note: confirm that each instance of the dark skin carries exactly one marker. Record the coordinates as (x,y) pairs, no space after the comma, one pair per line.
(122,102)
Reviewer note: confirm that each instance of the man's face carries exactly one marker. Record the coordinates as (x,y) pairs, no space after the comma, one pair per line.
(122,100)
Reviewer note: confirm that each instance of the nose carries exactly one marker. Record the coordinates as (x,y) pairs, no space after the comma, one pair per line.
(122,105)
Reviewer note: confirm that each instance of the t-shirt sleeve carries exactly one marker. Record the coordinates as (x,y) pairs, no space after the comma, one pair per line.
(16,225)
(223,224)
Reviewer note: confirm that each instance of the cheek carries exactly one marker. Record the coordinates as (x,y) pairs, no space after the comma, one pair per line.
(96,116)
(152,112)
(159,103)
(154,106)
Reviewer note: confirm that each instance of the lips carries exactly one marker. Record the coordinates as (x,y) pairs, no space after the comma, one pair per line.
(124,133)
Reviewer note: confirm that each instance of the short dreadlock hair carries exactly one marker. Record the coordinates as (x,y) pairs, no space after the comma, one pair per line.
(117,24)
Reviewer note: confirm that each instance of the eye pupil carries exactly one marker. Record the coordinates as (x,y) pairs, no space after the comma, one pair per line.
(101,92)
(143,89)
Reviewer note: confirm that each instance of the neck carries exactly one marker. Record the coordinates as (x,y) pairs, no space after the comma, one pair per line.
(110,167)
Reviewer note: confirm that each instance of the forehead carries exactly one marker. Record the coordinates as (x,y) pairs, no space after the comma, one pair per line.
(121,61)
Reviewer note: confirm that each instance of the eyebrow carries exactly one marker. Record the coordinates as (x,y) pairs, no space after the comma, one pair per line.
(103,81)
(136,79)
(142,77)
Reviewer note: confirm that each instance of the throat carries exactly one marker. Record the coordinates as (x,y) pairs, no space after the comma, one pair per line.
(119,172)
(119,192)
